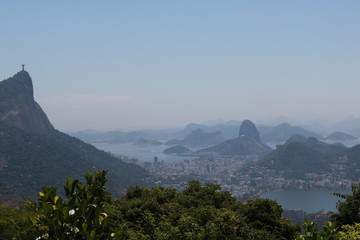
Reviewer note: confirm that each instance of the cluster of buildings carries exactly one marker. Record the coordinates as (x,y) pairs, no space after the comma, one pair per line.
(244,182)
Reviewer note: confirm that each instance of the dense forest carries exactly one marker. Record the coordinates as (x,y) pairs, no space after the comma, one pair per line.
(88,211)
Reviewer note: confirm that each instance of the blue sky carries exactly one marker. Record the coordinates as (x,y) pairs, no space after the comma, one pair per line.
(157,64)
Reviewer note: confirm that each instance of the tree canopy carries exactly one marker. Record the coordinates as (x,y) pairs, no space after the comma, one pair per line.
(199,212)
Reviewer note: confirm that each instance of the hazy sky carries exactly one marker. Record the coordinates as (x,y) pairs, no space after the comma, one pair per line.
(156,64)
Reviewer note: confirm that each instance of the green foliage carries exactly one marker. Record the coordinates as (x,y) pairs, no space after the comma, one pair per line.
(199,212)
(350,232)
(80,216)
(348,210)
(265,215)
(312,233)
(329,232)
(12,221)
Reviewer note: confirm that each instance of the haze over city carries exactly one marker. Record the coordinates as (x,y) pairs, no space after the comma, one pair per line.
(159,64)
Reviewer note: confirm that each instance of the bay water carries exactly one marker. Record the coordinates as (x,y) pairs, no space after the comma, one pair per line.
(142,153)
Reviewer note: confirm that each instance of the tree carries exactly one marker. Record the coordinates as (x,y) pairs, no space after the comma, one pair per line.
(79,216)
(265,215)
(13,221)
(311,232)
(348,210)
(199,212)
(350,232)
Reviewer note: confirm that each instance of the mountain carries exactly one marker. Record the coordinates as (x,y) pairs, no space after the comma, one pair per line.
(350,126)
(296,158)
(248,129)
(35,154)
(319,146)
(340,136)
(18,107)
(300,155)
(353,161)
(284,131)
(248,142)
(199,138)
(178,150)
(241,146)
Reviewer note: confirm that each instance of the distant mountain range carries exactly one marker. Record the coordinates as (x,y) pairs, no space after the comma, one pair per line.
(114,137)
(199,138)
(228,130)
(272,135)
(34,154)
(349,126)
(340,136)
(282,132)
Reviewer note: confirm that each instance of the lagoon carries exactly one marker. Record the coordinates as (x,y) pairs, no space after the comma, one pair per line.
(307,200)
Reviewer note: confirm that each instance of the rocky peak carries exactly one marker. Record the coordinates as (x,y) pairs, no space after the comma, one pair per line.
(18,107)
(249,129)
(20,85)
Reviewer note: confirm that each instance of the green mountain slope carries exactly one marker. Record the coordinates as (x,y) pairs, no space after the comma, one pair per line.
(353,162)
(300,155)
(29,161)
(296,157)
